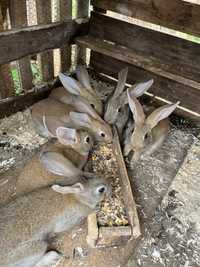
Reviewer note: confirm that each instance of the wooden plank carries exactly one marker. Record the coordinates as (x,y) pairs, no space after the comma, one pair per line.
(163,87)
(46,59)
(14,104)
(16,44)
(6,82)
(82,12)
(18,15)
(176,14)
(165,53)
(65,51)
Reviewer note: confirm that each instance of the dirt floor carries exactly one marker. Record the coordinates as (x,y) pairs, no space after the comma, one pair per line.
(167,197)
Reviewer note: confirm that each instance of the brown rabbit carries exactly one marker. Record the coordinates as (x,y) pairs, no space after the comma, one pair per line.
(71,117)
(65,157)
(149,133)
(27,223)
(81,88)
(116,108)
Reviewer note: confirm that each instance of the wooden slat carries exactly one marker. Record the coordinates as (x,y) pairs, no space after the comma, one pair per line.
(175,14)
(65,51)
(16,44)
(14,104)
(163,87)
(6,82)
(18,15)
(46,59)
(82,12)
(163,52)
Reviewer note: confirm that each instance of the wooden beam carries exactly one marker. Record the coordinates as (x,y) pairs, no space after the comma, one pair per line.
(16,44)
(14,104)
(65,51)
(160,51)
(82,12)
(177,14)
(18,15)
(163,87)
(46,58)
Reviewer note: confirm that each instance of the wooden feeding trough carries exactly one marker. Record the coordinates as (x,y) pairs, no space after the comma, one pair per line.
(106,236)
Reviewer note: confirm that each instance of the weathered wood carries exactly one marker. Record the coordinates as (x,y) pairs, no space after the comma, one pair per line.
(163,87)
(46,58)
(14,104)
(65,51)
(176,14)
(126,188)
(16,44)
(114,236)
(18,15)
(82,12)
(6,82)
(161,53)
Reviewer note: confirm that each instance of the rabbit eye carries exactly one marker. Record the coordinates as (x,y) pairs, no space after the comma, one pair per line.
(101,190)
(103,135)
(146,136)
(92,105)
(119,110)
(87,139)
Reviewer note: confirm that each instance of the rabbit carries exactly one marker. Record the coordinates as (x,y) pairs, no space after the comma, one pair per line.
(116,107)
(71,150)
(83,117)
(149,132)
(72,89)
(30,221)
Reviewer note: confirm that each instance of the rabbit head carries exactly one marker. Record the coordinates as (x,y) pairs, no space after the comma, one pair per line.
(115,105)
(80,140)
(143,125)
(89,192)
(82,87)
(97,127)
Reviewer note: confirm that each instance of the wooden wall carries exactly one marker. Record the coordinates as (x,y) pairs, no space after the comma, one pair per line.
(173,62)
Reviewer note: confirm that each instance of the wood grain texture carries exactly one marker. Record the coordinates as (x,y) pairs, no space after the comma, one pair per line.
(46,58)
(65,51)
(18,15)
(14,104)
(163,87)
(161,51)
(177,14)
(16,44)
(82,12)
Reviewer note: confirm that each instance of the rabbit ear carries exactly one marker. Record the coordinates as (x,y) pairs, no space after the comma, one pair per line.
(122,75)
(83,77)
(70,84)
(160,113)
(136,108)
(48,128)
(56,163)
(85,106)
(81,119)
(67,136)
(140,88)
(73,189)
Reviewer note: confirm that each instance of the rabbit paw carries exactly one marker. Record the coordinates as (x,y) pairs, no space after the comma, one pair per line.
(51,258)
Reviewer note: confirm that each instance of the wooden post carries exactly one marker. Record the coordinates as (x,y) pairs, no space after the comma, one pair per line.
(65,51)
(44,17)
(18,15)
(82,12)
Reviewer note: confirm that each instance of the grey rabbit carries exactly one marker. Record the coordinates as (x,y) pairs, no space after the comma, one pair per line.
(73,89)
(27,223)
(70,151)
(81,116)
(116,107)
(149,132)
